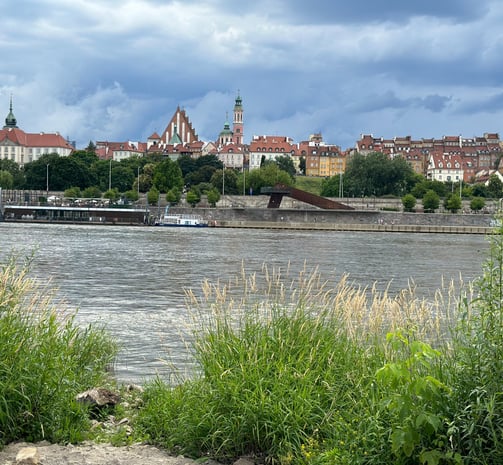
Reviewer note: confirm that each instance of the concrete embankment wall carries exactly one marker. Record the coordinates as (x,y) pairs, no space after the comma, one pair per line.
(343,220)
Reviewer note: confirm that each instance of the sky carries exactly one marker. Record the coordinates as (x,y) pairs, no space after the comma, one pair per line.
(116,70)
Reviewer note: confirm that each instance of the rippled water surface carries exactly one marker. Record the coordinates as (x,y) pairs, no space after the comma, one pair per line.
(133,279)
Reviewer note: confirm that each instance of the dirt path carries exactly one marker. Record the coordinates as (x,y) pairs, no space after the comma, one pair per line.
(94,454)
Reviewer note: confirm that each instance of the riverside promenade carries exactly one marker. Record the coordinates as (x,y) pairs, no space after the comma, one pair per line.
(366,215)
(362,227)
(375,215)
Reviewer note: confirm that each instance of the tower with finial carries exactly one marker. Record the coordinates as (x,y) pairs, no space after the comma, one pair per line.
(10,121)
(238,126)
(225,136)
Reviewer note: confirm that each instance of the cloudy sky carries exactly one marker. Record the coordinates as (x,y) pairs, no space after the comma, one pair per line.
(117,69)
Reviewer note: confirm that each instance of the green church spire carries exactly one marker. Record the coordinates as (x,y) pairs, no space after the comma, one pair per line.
(10,121)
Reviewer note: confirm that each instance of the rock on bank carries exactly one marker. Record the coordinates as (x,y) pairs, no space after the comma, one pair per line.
(44,453)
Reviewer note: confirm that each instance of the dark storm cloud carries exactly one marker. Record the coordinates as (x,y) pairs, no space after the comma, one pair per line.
(362,11)
(389,100)
(117,70)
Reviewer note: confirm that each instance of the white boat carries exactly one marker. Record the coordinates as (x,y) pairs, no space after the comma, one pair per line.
(180,219)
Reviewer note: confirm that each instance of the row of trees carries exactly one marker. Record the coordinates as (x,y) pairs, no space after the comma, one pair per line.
(84,174)
(377,175)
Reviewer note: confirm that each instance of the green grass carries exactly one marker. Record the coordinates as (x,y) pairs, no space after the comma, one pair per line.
(45,360)
(288,372)
(301,371)
(309,184)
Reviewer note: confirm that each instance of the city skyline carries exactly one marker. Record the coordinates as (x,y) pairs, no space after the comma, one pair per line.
(114,70)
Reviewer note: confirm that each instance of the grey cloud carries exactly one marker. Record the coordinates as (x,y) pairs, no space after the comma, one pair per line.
(434,103)
(485,104)
(360,11)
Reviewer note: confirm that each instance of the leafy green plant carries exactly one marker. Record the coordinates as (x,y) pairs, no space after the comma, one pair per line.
(416,400)
(45,360)
(283,369)
(478,358)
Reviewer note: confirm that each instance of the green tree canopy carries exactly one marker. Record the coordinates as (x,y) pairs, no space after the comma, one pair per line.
(408,202)
(376,174)
(60,173)
(453,203)
(6,180)
(213,196)
(431,201)
(330,186)
(425,185)
(495,187)
(91,192)
(193,197)
(477,204)
(112,194)
(267,176)
(187,164)
(122,178)
(153,196)
(202,174)
(73,193)
(173,196)
(285,163)
(85,157)
(13,168)
(231,181)
(167,174)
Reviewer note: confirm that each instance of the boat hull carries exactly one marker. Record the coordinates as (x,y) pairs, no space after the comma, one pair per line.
(168,225)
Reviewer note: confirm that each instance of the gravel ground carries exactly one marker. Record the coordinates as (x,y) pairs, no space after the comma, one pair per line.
(94,454)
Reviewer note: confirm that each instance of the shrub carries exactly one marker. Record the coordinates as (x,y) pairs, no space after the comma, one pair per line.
(431,201)
(477,203)
(45,360)
(408,202)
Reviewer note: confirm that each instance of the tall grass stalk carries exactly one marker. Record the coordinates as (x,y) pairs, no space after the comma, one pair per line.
(45,360)
(287,369)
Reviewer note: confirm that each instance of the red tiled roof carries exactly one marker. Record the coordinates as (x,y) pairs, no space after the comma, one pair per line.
(18,136)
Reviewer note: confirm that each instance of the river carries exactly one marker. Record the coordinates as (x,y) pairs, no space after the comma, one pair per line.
(133,279)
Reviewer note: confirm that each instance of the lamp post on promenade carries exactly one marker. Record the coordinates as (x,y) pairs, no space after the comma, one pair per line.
(47,181)
(138,186)
(223,184)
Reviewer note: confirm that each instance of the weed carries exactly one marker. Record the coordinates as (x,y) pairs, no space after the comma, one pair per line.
(45,360)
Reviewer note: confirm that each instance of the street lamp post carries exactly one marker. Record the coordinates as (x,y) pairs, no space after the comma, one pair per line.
(47,180)
(223,184)
(110,176)
(341,188)
(138,187)
(244,180)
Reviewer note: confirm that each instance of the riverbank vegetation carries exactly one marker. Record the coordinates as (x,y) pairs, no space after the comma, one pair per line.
(300,371)
(46,359)
(289,369)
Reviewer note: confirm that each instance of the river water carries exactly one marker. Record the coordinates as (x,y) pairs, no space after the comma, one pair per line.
(132,280)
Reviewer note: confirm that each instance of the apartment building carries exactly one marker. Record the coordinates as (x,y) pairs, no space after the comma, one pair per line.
(323,160)
(474,154)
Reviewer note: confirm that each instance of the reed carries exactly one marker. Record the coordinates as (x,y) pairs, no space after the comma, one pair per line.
(45,360)
(288,368)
